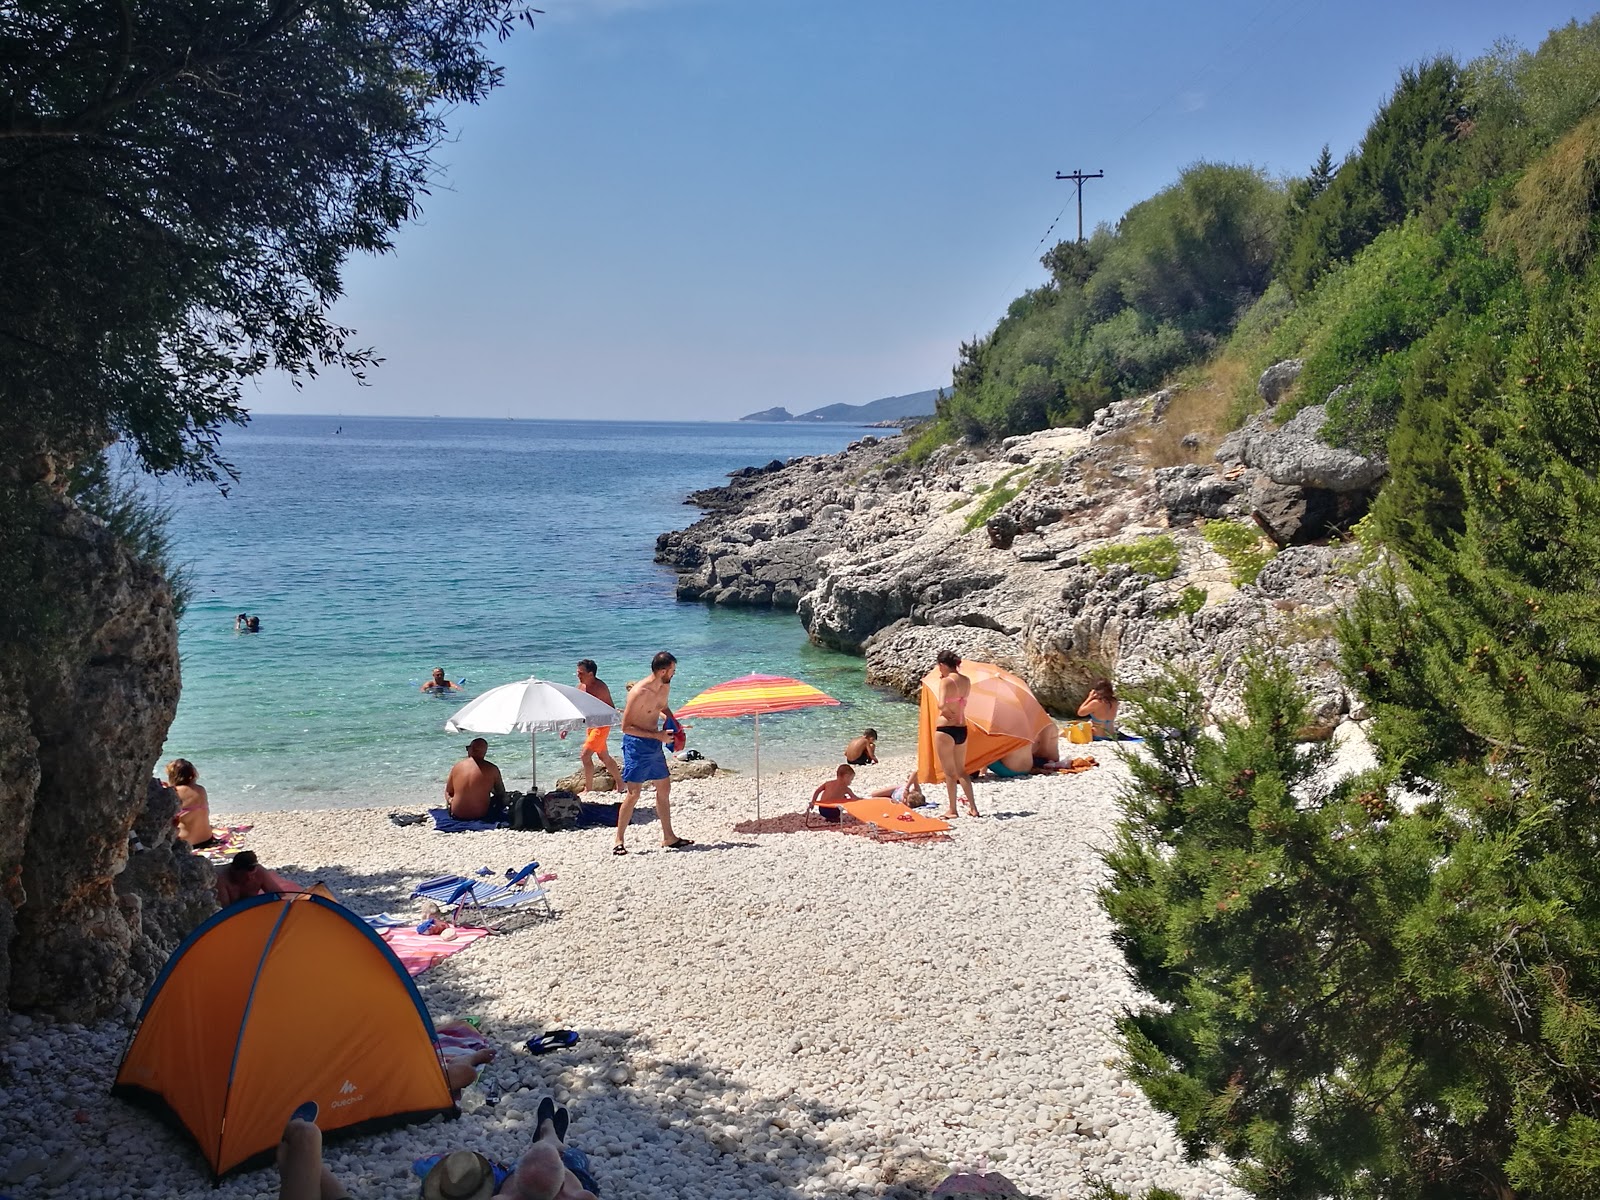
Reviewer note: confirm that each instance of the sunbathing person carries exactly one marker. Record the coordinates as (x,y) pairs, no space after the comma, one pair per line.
(194,806)
(908,793)
(547,1170)
(243,876)
(1014,764)
(858,752)
(1100,706)
(473,783)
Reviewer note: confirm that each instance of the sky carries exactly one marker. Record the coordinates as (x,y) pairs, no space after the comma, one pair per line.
(695,209)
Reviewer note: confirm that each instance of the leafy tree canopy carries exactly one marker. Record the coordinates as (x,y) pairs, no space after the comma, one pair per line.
(180,183)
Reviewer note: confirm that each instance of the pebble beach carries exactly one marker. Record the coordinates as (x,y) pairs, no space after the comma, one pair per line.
(775,1014)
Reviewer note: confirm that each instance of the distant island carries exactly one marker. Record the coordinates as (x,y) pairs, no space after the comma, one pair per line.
(890,408)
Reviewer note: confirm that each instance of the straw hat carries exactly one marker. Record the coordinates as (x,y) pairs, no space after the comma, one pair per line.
(459,1175)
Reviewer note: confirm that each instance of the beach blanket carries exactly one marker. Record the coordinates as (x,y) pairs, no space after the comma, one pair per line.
(419,951)
(443,822)
(229,841)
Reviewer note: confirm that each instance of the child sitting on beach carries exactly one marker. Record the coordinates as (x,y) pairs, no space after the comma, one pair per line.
(858,752)
(908,793)
(830,794)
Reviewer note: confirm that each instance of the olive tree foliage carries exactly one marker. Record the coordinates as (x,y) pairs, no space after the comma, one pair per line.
(181,182)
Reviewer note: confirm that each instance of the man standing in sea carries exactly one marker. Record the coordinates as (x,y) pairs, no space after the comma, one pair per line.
(643,759)
(594,742)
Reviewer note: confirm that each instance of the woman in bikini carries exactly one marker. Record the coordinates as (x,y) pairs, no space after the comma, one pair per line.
(950,735)
(1101,708)
(194,808)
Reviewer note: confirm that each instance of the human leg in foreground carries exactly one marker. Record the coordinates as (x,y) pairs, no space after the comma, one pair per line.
(301,1173)
(540,1174)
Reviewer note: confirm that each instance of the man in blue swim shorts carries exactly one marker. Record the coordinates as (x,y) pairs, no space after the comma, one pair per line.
(643,758)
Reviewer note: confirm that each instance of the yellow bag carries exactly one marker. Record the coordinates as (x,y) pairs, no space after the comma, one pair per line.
(1080,731)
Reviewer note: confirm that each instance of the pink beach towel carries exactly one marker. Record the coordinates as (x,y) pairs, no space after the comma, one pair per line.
(419,951)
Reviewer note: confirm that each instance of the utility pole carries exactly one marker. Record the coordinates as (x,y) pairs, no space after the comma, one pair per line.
(1078,177)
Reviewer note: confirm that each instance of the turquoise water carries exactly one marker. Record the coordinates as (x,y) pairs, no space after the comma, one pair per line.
(496,549)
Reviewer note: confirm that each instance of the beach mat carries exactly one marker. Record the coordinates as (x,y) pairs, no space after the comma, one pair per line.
(443,822)
(419,951)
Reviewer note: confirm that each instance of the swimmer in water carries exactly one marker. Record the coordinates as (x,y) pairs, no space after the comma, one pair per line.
(439,684)
(245,623)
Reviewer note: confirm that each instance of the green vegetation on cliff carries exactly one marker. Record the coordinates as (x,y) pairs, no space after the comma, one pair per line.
(1360,992)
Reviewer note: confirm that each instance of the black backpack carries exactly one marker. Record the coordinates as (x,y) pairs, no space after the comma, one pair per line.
(527,813)
(561,810)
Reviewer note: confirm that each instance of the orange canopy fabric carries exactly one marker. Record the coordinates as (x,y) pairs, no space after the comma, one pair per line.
(274,1001)
(751,695)
(892,816)
(1002,714)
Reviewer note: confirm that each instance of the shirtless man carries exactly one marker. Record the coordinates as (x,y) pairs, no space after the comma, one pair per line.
(643,759)
(472,782)
(950,735)
(594,742)
(439,683)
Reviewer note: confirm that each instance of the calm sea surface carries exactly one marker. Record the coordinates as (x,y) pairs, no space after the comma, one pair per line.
(374,549)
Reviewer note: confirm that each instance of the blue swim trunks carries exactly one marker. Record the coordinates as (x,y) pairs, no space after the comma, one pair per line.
(643,759)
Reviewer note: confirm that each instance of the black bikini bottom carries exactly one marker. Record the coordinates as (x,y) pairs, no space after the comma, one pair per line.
(956,733)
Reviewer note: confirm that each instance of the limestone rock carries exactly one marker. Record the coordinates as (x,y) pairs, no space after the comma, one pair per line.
(1295,454)
(1278,379)
(1196,490)
(82,926)
(677,769)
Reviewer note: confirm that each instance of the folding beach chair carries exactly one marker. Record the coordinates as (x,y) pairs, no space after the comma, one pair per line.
(488,902)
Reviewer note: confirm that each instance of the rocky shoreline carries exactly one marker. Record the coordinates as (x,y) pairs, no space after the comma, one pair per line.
(1064,555)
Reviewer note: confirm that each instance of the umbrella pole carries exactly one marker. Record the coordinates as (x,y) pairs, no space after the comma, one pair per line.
(758,766)
(533,746)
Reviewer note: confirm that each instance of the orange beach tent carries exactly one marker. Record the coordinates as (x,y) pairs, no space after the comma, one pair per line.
(1002,714)
(274,1001)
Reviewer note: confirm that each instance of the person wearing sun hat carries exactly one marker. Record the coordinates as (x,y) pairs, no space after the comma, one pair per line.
(460,1175)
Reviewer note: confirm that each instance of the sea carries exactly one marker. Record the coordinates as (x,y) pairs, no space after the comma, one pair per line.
(375,549)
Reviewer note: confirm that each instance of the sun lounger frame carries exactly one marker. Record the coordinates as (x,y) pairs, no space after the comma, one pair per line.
(487,902)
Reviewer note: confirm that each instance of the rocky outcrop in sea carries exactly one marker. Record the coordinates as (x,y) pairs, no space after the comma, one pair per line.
(1064,555)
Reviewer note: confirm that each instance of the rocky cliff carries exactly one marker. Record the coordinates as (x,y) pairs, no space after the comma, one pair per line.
(96,890)
(1064,555)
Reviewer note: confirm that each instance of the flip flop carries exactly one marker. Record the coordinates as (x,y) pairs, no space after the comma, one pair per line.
(619,850)
(306,1112)
(677,844)
(560,1121)
(555,1039)
(547,1110)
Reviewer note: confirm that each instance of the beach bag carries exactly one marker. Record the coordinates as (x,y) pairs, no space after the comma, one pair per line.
(593,816)
(561,810)
(1080,731)
(527,813)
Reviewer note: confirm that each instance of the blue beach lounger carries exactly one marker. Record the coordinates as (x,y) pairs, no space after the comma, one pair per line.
(487,902)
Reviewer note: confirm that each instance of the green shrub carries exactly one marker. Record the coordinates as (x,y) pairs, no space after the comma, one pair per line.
(1190,601)
(1155,555)
(1243,547)
(1000,493)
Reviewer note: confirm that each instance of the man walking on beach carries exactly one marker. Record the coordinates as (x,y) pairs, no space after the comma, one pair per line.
(594,742)
(472,782)
(643,759)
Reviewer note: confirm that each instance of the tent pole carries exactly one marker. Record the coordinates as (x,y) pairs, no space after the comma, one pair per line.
(758,766)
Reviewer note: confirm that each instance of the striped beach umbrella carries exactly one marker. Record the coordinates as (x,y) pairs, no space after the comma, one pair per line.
(750,696)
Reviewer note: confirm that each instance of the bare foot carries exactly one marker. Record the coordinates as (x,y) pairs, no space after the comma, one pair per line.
(948,816)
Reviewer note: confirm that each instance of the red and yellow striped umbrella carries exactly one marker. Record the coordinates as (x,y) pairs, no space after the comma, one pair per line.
(750,696)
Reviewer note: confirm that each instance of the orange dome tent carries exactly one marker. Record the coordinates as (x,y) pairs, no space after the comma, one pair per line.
(274,1001)
(1002,715)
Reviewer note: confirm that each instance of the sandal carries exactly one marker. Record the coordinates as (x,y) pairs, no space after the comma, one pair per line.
(619,850)
(556,1039)
(677,844)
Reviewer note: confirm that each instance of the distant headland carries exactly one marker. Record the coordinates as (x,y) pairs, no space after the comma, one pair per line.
(890,408)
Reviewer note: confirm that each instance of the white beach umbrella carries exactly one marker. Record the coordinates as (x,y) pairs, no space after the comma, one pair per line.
(532,706)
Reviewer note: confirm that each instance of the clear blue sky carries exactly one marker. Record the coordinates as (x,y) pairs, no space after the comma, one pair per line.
(693,209)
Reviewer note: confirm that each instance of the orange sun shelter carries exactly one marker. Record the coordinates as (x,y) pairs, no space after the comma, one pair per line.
(1002,714)
(274,1001)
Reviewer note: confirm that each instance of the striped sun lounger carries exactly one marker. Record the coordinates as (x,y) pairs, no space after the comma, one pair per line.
(488,902)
